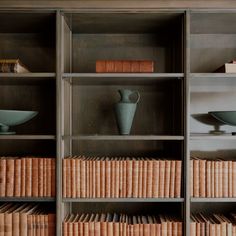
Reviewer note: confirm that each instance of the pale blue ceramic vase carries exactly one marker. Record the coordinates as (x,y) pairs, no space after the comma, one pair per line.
(125,111)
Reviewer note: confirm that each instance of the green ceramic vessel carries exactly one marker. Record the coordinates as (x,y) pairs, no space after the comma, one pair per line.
(227,117)
(12,118)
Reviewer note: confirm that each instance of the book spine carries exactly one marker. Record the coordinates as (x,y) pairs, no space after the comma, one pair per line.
(10,178)
(135,179)
(28,185)
(155,179)
(167,179)
(178,177)
(98,178)
(172,179)
(73,178)
(77,178)
(41,177)
(17,178)
(225,179)
(2,177)
(108,178)
(202,167)
(53,180)
(162,179)
(149,178)
(196,178)
(117,179)
(129,164)
(35,179)
(208,179)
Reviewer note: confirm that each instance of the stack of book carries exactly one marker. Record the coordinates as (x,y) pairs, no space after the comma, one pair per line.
(12,66)
(213,225)
(27,177)
(213,178)
(26,220)
(94,177)
(124,66)
(121,224)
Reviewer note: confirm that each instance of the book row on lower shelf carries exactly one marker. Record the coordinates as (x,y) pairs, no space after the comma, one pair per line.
(112,224)
(27,177)
(26,220)
(95,177)
(213,178)
(213,224)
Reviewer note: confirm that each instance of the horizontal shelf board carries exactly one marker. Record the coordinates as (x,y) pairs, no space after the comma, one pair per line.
(194,199)
(24,137)
(26,78)
(118,78)
(123,199)
(27,199)
(213,75)
(123,137)
(201,136)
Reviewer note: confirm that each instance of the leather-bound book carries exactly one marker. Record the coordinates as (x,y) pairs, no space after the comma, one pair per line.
(129,166)
(41,176)
(68,177)
(167,179)
(97,225)
(103,177)
(208,179)
(213,178)
(146,66)
(149,178)
(202,175)
(146,226)
(91,225)
(2,177)
(53,179)
(216,179)
(113,178)
(35,177)
(117,178)
(163,226)
(12,66)
(110,66)
(135,178)
(109,221)
(152,226)
(126,66)
(42,233)
(77,177)
(172,179)
(10,165)
(28,185)
(124,178)
(94,180)
(178,177)
(225,179)
(17,178)
(161,178)
(135,66)
(116,225)
(108,178)
(100,66)
(220,179)
(155,180)
(98,177)
(118,67)
(140,179)
(45,173)
(90,178)
(196,178)
(230,178)
(103,225)
(73,178)
(121,173)
(144,192)
(180,229)
(87,176)
(83,178)
(51,224)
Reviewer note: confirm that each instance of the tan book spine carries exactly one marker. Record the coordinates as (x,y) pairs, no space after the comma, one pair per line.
(68,177)
(100,66)
(196,178)
(41,217)
(135,178)
(140,179)
(117,178)
(70,227)
(8,224)
(28,185)
(64,193)
(53,174)
(73,178)
(35,175)
(180,229)
(155,180)
(2,178)
(90,174)
(225,179)
(65,228)
(191,178)
(213,178)
(118,67)
(23,224)
(234,178)
(103,178)
(202,173)
(83,178)
(38,231)
(230,179)
(172,179)
(109,228)
(121,178)
(208,179)
(124,178)
(136,230)
(45,176)
(46,225)
(40,177)
(2,224)
(98,178)
(108,178)
(169,228)
(113,178)
(167,179)
(29,226)
(77,177)
(217,179)
(149,178)
(220,179)
(17,178)
(10,177)
(94,180)
(162,178)
(193,229)
(144,192)
(97,229)
(164,229)
(174,228)
(129,164)
(15,224)
(103,229)
(178,178)
(146,229)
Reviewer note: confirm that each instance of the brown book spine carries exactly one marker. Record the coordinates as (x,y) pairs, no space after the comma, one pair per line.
(126,66)
(162,178)
(220,179)
(234,178)
(191,178)
(172,179)
(98,177)
(8,224)
(118,67)
(129,164)
(121,178)
(64,164)
(167,179)
(103,178)
(94,180)
(144,192)
(225,179)
(15,224)
(42,226)
(146,66)
(97,229)
(68,178)
(77,177)
(178,177)
(17,178)
(213,178)
(51,224)
(90,178)
(108,178)
(155,179)
(110,66)
(196,178)
(53,174)
(49,177)
(208,179)
(2,177)
(10,177)
(112,178)
(23,224)
(117,178)
(135,66)
(230,186)
(35,179)
(124,178)
(135,178)
(73,178)
(216,179)
(87,174)
(100,66)
(40,177)
(28,185)
(45,172)
(149,178)
(202,173)
(83,178)
(65,228)
(140,179)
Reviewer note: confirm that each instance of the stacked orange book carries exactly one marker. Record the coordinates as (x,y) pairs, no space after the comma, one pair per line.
(121,224)
(27,177)
(95,177)
(213,225)
(213,178)
(26,220)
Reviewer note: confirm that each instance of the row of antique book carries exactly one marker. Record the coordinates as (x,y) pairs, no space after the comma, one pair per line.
(213,224)
(121,177)
(26,220)
(213,178)
(27,177)
(112,224)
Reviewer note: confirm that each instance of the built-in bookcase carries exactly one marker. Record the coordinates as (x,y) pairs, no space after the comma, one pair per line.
(76,105)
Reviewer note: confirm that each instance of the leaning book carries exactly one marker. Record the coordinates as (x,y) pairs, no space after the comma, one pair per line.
(12,66)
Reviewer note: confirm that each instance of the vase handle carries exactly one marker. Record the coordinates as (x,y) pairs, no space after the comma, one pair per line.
(138,95)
